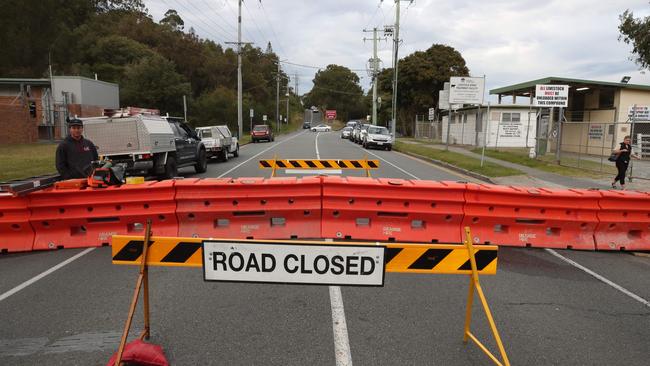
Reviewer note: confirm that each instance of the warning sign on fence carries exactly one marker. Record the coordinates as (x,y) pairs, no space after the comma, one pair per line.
(551,96)
(595,132)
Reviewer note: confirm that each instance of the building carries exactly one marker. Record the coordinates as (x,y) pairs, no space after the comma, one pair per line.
(598,116)
(30,111)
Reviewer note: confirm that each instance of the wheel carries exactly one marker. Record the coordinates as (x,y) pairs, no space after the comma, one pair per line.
(224,155)
(272,139)
(202,163)
(364,144)
(389,148)
(236,153)
(171,169)
(254,141)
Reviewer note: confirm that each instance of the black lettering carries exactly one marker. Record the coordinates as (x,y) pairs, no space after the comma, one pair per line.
(324,259)
(371,264)
(268,262)
(337,265)
(302,266)
(240,259)
(252,262)
(349,265)
(219,258)
(286,263)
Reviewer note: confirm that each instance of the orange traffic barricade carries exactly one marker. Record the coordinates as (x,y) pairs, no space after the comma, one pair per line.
(536,217)
(624,221)
(68,218)
(252,208)
(392,209)
(16,234)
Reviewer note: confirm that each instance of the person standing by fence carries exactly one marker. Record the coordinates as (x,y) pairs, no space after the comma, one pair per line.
(624,152)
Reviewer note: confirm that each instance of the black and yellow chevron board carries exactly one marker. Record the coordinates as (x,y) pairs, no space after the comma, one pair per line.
(399,257)
(319,164)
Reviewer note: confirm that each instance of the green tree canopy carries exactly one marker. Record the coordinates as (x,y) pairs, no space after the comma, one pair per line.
(337,87)
(636,31)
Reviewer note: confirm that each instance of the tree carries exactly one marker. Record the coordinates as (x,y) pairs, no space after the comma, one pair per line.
(154,83)
(338,88)
(636,31)
(421,75)
(215,107)
(173,20)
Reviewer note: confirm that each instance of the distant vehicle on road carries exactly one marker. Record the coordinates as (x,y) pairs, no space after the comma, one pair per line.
(346,132)
(351,124)
(378,136)
(306,125)
(219,141)
(321,128)
(358,132)
(262,132)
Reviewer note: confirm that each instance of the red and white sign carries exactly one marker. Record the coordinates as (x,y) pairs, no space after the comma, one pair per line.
(330,114)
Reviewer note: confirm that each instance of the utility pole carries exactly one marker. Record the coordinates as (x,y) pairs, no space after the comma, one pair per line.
(374,65)
(277,97)
(396,41)
(240,124)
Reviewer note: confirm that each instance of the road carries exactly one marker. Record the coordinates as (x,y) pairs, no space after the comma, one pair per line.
(68,307)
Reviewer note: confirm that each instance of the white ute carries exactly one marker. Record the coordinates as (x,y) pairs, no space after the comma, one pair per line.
(219,141)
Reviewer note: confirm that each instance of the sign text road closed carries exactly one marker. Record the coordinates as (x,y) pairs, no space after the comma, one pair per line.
(466,90)
(551,96)
(330,114)
(328,264)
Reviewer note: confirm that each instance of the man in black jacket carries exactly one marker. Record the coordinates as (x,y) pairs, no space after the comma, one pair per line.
(75,153)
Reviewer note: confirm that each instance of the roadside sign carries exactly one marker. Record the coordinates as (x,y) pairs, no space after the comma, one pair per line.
(466,90)
(252,113)
(639,112)
(432,112)
(326,264)
(264,118)
(330,114)
(443,99)
(551,95)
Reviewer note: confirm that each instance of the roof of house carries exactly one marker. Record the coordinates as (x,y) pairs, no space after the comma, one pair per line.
(530,85)
(18,81)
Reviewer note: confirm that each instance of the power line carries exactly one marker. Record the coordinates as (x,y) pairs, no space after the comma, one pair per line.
(272,29)
(221,37)
(315,67)
(264,37)
(336,91)
(226,31)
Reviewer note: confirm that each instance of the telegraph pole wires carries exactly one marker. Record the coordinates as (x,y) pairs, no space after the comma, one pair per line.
(374,67)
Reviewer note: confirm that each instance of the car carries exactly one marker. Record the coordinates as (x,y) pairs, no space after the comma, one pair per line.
(355,132)
(321,128)
(346,132)
(351,124)
(219,141)
(306,125)
(360,133)
(378,136)
(262,132)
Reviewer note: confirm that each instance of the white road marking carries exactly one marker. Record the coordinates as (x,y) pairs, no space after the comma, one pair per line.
(386,161)
(259,153)
(42,275)
(601,278)
(340,327)
(312,171)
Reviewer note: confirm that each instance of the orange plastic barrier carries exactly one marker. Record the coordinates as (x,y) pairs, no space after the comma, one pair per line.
(392,209)
(253,208)
(537,217)
(85,218)
(16,234)
(624,221)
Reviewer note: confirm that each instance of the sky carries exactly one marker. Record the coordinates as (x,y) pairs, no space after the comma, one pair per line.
(508,41)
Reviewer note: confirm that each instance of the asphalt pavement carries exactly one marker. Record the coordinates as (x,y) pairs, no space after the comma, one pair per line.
(549,306)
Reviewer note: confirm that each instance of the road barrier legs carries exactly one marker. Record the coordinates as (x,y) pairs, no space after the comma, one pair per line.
(474,283)
(142,279)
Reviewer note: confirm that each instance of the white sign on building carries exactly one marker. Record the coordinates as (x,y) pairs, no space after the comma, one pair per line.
(443,100)
(466,90)
(432,113)
(639,112)
(551,96)
(596,132)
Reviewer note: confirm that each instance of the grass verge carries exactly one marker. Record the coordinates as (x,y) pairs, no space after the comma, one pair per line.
(547,163)
(459,160)
(19,161)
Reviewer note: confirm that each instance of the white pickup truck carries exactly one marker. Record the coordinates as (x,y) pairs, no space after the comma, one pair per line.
(219,141)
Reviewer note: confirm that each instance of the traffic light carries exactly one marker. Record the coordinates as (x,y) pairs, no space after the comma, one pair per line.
(32,109)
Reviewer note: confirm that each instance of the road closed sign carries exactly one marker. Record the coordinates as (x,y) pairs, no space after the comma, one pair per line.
(551,96)
(330,114)
(322,263)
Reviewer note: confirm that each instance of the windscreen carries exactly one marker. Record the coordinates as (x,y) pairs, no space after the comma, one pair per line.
(378,130)
(206,133)
(259,128)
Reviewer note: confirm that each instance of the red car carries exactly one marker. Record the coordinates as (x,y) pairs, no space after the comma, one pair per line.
(262,132)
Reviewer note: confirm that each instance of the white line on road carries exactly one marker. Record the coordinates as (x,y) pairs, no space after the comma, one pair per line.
(340,327)
(601,278)
(386,161)
(42,275)
(259,153)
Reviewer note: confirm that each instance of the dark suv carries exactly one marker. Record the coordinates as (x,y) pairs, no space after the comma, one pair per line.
(262,132)
(190,151)
(306,125)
